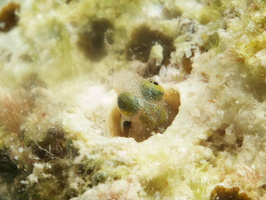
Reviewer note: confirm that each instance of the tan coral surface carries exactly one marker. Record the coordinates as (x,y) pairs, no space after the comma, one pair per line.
(59,61)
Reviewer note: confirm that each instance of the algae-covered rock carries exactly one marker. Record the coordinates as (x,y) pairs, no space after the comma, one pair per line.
(134,99)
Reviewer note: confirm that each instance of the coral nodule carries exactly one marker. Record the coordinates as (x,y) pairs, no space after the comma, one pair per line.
(8,17)
(222,193)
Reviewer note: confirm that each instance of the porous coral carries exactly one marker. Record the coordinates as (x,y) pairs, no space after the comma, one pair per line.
(207,55)
(9,17)
(222,193)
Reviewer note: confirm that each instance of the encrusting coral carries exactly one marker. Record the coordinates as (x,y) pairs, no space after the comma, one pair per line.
(132,99)
(222,193)
(9,17)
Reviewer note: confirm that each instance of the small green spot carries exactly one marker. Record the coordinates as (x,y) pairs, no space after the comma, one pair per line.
(99,177)
(151,91)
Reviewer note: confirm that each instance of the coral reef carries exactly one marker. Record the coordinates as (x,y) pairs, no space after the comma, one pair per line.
(132,99)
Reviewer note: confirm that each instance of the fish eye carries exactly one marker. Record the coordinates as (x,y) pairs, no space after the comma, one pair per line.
(122,104)
(154,82)
(151,90)
(128,104)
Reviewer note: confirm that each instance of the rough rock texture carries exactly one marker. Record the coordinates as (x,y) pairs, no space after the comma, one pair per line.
(59,61)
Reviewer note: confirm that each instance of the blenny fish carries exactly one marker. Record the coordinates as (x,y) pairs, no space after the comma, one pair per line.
(143,107)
